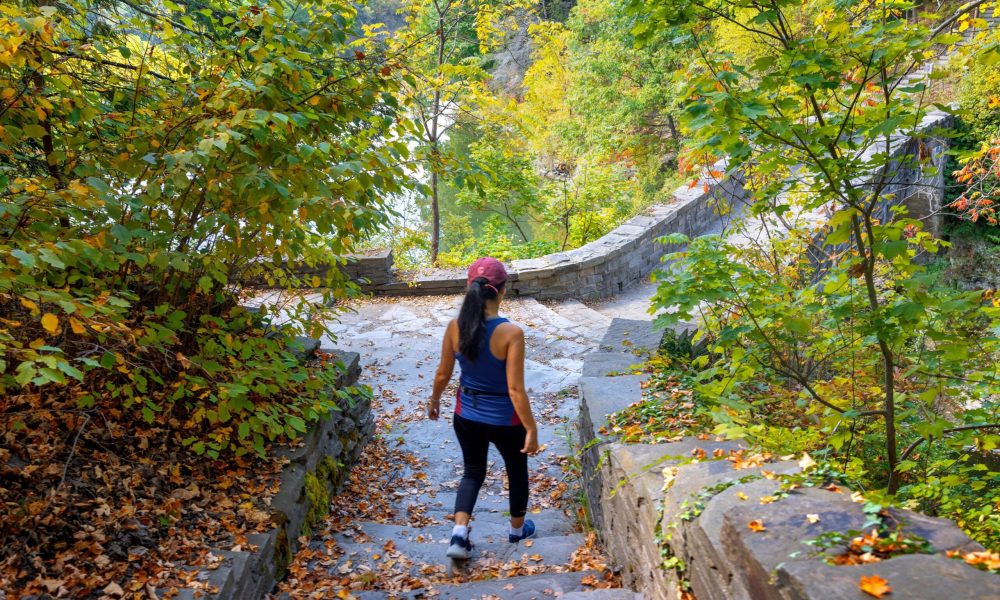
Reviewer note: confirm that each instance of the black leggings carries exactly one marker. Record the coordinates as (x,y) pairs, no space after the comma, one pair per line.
(474,438)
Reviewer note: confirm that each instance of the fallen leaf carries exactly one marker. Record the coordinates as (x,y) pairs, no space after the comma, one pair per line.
(528,543)
(113,589)
(990,560)
(741,496)
(812,518)
(806,462)
(756,526)
(51,324)
(873,585)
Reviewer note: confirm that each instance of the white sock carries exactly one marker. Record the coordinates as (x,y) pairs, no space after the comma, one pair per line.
(460,530)
(516,530)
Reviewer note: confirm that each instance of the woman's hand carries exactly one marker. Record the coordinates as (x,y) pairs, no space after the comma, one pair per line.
(434,409)
(531,443)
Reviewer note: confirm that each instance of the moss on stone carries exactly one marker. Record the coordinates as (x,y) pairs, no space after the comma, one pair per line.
(330,471)
(282,554)
(318,496)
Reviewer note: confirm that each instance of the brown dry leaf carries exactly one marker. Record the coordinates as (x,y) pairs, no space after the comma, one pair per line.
(536,557)
(509,587)
(113,589)
(756,526)
(528,543)
(875,586)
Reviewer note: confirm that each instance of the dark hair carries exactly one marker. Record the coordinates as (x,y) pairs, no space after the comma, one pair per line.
(472,316)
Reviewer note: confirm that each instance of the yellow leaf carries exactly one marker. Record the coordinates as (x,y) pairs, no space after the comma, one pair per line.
(812,518)
(29,305)
(77,326)
(756,526)
(50,322)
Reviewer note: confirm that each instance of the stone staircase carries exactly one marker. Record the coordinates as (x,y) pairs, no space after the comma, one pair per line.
(397,549)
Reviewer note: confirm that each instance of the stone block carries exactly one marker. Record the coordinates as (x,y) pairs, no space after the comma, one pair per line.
(602,396)
(910,576)
(600,364)
(636,335)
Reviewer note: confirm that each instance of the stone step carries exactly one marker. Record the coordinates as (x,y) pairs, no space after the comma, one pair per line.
(388,549)
(577,311)
(525,587)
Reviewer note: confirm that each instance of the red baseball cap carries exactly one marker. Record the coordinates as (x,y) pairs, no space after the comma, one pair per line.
(490,268)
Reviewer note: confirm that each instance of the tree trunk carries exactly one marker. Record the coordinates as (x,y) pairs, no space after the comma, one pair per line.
(436,218)
(434,138)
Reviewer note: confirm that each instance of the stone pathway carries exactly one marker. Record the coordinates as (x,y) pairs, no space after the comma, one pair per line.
(387,534)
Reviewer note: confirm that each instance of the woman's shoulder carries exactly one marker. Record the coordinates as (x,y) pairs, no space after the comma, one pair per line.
(510,328)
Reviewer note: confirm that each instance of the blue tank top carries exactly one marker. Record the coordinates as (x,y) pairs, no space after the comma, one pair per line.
(482,394)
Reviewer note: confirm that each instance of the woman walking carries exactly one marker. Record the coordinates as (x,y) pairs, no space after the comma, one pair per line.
(492,405)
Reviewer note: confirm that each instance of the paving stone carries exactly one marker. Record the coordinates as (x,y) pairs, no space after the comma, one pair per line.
(531,587)
(606,594)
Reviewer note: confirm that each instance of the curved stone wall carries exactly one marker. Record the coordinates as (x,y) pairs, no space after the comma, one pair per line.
(630,252)
(602,268)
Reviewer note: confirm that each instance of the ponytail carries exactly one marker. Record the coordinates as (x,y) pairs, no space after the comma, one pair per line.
(472,317)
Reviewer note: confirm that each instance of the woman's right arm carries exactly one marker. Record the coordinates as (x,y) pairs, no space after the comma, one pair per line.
(445,368)
(515,387)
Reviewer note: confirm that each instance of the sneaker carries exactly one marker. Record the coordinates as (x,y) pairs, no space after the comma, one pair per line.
(460,548)
(527,530)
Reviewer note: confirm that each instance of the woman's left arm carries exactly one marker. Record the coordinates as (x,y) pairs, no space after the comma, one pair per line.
(445,368)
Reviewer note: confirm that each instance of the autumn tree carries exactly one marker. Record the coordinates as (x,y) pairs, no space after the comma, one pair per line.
(871,344)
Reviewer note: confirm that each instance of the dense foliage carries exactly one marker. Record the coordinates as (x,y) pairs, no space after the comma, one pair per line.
(542,127)
(838,339)
(155,162)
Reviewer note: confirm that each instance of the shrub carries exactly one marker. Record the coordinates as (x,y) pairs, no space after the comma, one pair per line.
(157,162)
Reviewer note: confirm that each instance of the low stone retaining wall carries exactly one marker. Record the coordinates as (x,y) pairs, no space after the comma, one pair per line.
(672,514)
(317,469)
(602,268)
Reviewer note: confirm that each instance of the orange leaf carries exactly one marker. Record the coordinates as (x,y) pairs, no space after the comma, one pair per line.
(756,526)
(77,326)
(693,184)
(873,585)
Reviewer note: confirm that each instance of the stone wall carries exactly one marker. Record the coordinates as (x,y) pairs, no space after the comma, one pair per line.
(317,469)
(907,181)
(678,505)
(602,268)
